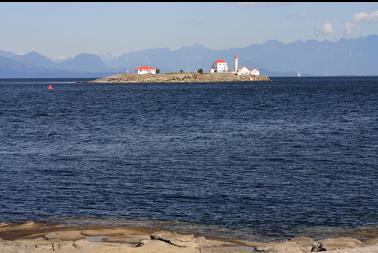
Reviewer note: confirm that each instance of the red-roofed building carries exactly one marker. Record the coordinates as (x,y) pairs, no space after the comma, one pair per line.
(219,61)
(145,70)
(219,66)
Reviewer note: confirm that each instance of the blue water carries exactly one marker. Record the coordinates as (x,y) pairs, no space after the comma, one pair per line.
(271,159)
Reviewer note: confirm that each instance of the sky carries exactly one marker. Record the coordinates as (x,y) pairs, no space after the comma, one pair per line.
(60,30)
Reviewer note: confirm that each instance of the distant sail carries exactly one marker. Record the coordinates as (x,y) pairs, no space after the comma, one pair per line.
(298,74)
(50,87)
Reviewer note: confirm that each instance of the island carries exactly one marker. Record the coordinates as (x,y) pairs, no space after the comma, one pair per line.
(185,77)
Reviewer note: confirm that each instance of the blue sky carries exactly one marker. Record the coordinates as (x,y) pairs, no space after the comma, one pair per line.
(66,29)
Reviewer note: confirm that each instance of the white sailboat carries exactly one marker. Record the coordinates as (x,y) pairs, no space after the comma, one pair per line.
(298,74)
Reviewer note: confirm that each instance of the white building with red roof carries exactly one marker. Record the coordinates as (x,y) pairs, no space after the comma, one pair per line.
(145,70)
(219,66)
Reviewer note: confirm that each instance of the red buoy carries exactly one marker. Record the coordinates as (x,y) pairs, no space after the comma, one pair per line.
(50,87)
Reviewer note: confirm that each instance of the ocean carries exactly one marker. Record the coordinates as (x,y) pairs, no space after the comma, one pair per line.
(295,156)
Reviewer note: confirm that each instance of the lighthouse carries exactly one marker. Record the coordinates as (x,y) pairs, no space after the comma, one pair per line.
(236,59)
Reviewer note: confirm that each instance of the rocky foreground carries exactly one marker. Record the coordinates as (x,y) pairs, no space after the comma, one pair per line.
(179,78)
(30,237)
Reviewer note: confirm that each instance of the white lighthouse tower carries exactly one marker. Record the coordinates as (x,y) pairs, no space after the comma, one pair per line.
(236,59)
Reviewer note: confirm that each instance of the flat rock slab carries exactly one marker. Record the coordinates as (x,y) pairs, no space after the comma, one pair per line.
(178,240)
(64,236)
(367,249)
(80,244)
(131,239)
(282,247)
(158,246)
(304,243)
(112,232)
(232,249)
(340,243)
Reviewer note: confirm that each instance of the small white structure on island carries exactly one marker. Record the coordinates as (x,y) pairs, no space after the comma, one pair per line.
(255,72)
(243,71)
(145,70)
(219,66)
(246,71)
(236,59)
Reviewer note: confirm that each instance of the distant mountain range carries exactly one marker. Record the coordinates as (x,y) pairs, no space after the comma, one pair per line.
(357,56)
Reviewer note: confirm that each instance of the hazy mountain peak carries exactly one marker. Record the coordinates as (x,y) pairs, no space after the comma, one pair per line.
(86,55)
(84,62)
(273,42)
(34,58)
(198,45)
(372,36)
(107,56)
(33,53)
(6,54)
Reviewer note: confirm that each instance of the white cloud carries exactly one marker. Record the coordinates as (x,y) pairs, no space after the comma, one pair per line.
(365,17)
(327,28)
(360,17)
(348,27)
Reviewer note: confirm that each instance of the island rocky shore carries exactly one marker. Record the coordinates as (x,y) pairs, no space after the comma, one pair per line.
(31,237)
(179,78)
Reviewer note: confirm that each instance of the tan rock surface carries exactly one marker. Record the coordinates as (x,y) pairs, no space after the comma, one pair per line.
(64,235)
(281,247)
(304,243)
(340,243)
(32,237)
(175,239)
(366,249)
